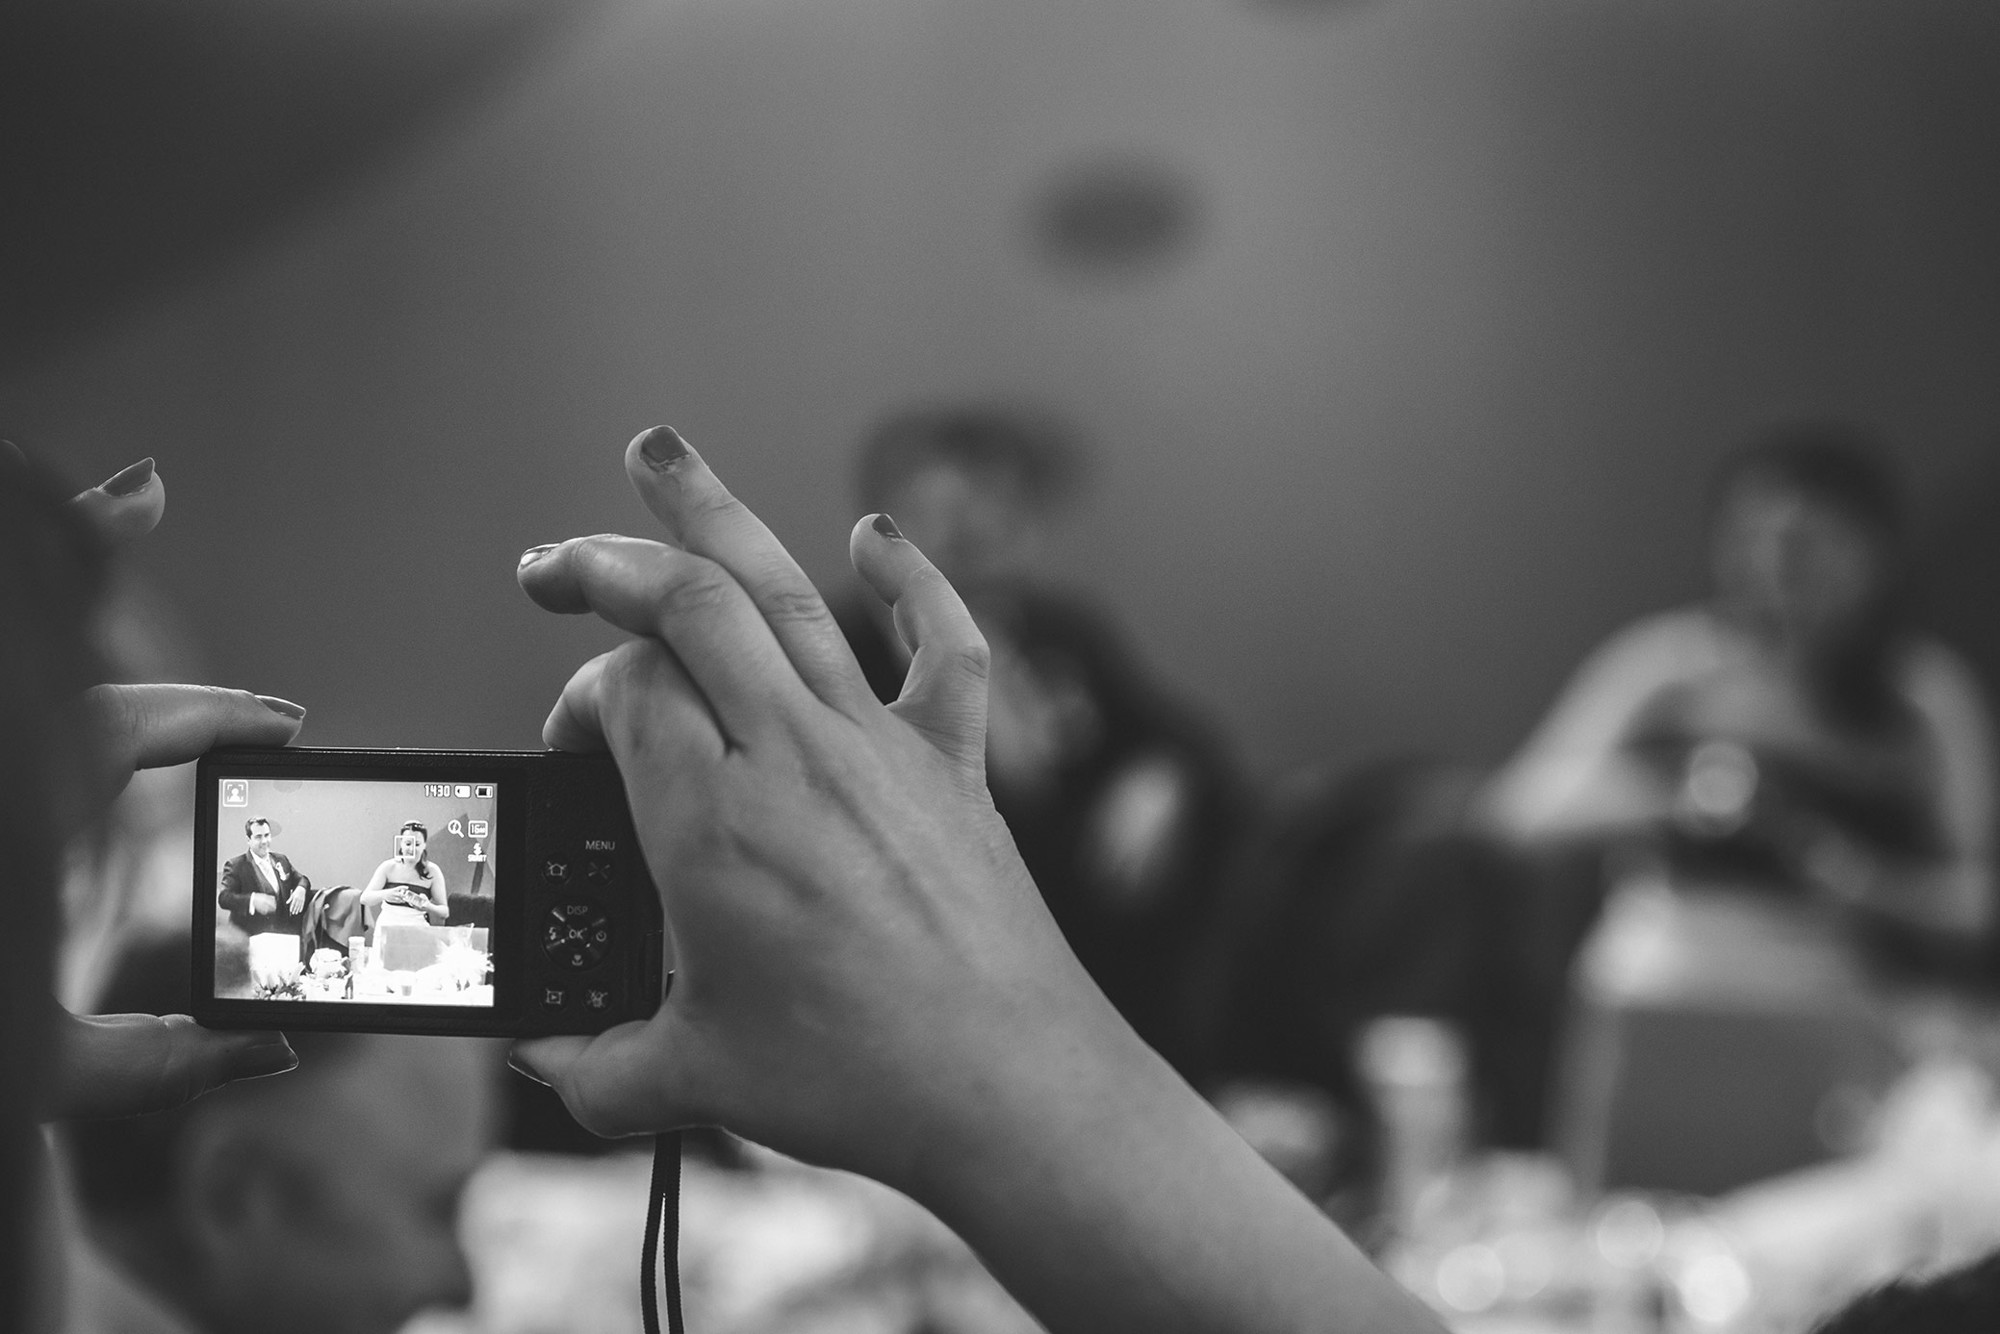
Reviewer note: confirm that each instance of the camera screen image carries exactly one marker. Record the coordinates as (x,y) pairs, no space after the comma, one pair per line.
(337,891)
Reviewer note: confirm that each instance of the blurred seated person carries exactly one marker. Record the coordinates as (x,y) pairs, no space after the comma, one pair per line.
(1792,735)
(409,888)
(323,1203)
(261,890)
(1120,801)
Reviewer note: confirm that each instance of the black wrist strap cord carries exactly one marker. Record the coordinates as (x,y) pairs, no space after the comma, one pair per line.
(663,1236)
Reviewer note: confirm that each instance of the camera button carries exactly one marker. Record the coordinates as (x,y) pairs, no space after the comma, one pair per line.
(577,959)
(555,998)
(597,998)
(600,870)
(555,872)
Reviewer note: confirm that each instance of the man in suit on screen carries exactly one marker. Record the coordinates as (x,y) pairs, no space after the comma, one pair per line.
(261,890)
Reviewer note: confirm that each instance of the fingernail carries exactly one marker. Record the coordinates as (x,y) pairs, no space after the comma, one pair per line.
(12,453)
(662,447)
(533,554)
(129,481)
(887,527)
(521,1067)
(266,1058)
(284,706)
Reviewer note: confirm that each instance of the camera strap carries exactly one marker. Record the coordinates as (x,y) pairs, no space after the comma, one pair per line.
(663,1236)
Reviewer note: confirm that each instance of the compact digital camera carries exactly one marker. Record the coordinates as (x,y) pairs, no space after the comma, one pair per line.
(482,893)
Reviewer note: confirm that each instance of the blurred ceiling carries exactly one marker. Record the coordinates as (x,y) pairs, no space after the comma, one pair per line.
(143,139)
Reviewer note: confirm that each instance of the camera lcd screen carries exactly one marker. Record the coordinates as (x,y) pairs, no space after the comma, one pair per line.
(353,891)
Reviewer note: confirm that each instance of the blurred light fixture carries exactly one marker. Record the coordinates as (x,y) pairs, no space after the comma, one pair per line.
(1116,215)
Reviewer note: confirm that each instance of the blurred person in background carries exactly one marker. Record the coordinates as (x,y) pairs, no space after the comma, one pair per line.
(1791,743)
(1792,735)
(323,1203)
(1121,800)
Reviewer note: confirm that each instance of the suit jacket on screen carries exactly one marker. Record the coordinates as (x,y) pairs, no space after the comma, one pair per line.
(241,879)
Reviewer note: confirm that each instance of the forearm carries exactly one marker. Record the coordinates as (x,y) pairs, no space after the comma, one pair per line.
(1107,1196)
(1952,900)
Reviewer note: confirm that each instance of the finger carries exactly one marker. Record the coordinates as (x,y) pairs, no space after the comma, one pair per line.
(620,1082)
(637,702)
(944,694)
(702,516)
(148,726)
(692,604)
(126,505)
(128,1064)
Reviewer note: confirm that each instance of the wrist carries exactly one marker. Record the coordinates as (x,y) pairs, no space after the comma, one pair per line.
(1054,1071)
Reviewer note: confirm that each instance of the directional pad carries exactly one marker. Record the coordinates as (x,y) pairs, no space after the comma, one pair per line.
(576,935)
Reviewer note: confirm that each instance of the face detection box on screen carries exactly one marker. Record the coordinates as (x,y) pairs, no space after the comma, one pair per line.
(497,893)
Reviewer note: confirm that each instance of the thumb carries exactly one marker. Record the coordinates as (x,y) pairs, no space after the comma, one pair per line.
(128,1064)
(617,1083)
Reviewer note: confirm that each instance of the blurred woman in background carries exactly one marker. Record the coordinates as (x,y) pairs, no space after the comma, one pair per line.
(1792,735)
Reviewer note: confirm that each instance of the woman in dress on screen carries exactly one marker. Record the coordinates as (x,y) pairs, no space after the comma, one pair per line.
(408,888)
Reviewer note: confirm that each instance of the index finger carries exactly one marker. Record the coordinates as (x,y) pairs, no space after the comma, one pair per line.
(701,516)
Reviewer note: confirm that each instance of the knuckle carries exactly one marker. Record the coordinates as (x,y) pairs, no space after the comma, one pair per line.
(587,1106)
(625,671)
(697,590)
(793,606)
(710,504)
(624,682)
(973,658)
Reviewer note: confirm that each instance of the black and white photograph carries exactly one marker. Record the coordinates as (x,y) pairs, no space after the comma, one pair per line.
(953,667)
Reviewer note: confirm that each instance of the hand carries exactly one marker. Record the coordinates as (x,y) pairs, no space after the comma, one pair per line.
(865,975)
(297,902)
(124,1064)
(129,1064)
(262,904)
(850,920)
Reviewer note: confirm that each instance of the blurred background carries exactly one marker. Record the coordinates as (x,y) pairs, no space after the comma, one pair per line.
(1400,339)
(1405,343)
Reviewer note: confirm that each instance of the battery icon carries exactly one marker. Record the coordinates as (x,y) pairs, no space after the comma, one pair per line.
(462,791)
(483,791)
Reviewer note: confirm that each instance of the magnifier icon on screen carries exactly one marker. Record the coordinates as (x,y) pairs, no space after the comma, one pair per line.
(456,828)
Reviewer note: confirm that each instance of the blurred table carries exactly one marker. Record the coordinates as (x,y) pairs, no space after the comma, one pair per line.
(778,1249)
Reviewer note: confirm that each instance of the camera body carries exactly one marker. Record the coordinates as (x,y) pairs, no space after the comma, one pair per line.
(476,893)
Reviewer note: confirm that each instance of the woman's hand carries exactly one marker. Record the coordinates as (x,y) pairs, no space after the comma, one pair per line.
(850,920)
(866,976)
(120,1065)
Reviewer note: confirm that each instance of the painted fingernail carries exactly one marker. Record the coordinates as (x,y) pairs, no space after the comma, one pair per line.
(266,1058)
(521,1067)
(662,447)
(887,527)
(284,706)
(129,481)
(533,554)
